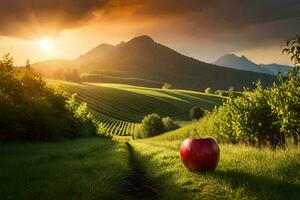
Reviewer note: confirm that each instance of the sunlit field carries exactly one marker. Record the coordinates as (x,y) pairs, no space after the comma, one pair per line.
(120,108)
(95,168)
(88,168)
(243,172)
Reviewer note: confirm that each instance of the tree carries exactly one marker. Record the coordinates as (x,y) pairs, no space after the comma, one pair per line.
(169,124)
(151,125)
(59,74)
(28,105)
(196,113)
(166,86)
(231,92)
(27,64)
(75,76)
(208,91)
(72,75)
(264,116)
(219,92)
(7,63)
(293,48)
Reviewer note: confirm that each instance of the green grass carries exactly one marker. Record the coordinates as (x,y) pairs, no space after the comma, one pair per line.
(87,168)
(120,108)
(94,168)
(114,78)
(243,172)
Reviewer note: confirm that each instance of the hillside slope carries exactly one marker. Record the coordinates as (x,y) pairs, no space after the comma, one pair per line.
(143,58)
(120,108)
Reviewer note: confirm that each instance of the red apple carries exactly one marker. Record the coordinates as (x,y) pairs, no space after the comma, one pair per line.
(201,154)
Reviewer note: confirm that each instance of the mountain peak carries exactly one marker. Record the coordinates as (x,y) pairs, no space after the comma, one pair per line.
(241,63)
(104,45)
(142,38)
(230,55)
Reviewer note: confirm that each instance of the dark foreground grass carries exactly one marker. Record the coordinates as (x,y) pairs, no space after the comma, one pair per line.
(243,172)
(80,169)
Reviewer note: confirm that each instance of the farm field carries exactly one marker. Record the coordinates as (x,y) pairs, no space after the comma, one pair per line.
(120,108)
(243,172)
(88,168)
(96,168)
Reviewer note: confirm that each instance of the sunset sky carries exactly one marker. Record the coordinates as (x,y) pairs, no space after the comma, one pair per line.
(203,29)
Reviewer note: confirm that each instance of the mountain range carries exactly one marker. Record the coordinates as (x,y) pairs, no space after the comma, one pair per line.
(243,63)
(143,58)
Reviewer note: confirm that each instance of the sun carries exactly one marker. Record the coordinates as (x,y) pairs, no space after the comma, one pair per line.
(45,44)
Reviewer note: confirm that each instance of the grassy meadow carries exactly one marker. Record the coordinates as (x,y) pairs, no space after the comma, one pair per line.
(96,168)
(88,168)
(243,172)
(123,168)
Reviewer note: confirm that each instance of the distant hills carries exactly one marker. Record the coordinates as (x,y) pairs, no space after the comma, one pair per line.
(143,58)
(242,63)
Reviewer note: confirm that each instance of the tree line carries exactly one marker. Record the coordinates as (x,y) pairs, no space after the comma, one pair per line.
(31,110)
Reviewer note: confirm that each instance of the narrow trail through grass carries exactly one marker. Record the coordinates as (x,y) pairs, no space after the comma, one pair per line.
(136,184)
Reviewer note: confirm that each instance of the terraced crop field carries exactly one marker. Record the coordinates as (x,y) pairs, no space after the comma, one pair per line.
(120,108)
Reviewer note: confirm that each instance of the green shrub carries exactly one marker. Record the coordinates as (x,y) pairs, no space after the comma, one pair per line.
(153,125)
(285,103)
(30,110)
(265,116)
(260,117)
(196,113)
(169,124)
(231,92)
(101,130)
(166,86)
(208,91)
(219,92)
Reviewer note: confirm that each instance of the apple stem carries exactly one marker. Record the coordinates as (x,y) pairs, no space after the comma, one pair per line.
(197,132)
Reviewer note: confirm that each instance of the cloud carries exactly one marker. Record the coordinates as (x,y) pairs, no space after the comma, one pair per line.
(235,22)
(28,18)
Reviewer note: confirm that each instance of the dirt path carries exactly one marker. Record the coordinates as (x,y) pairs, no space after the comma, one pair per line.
(136,184)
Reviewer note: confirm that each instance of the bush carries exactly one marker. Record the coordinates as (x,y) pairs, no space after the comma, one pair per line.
(71,75)
(261,117)
(219,92)
(196,113)
(208,91)
(153,125)
(32,111)
(101,130)
(231,92)
(169,124)
(265,116)
(166,86)
(285,102)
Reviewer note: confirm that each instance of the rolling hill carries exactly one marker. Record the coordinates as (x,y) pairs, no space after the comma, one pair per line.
(243,63)
(120,108)
(143,58)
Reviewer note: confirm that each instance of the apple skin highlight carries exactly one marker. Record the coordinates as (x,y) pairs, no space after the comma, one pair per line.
(201,154)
